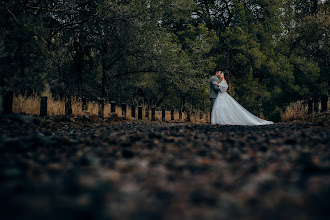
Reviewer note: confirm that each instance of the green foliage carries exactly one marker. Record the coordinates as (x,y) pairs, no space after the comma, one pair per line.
(306,75)
(275,115)
(162,53)
(24,58)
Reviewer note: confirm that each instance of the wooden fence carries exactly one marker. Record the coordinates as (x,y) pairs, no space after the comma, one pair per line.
(44,106)
(314,104)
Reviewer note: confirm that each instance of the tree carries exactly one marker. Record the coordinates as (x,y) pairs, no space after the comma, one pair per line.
(24,59)
(161,53)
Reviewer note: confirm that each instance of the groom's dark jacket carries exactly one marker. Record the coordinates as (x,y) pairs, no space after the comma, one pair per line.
(214,89)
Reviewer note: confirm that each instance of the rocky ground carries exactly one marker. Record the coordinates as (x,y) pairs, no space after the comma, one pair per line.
(60,168)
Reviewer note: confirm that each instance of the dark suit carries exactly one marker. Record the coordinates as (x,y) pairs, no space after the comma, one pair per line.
(214,89)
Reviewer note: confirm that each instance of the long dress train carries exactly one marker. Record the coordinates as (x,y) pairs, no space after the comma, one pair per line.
(227,111)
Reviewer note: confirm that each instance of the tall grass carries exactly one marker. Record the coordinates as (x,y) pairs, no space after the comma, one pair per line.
(56,106)
(298,111)
(31,104)
(295,111)
(26,104)
(76,104)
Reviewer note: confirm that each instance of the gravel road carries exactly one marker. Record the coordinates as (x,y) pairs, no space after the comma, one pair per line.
(65,169)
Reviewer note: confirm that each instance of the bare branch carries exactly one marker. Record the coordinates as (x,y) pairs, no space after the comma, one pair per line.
(4,31)
(12,14)
(44,9)
(57,10)
(136,71)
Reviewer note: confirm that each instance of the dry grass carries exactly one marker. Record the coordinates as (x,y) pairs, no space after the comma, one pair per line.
(76,106)
(295,111)
(176,115)
(26,104)
(107,109)
(55,107)
(31,105)
(298,111)
(202,117)
(93,108)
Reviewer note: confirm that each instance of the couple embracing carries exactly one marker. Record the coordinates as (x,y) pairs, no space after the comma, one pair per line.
(224,109)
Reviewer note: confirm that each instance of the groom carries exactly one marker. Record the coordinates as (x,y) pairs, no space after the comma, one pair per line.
(214,89)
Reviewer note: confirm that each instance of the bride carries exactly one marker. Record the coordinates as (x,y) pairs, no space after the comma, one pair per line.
(227,111)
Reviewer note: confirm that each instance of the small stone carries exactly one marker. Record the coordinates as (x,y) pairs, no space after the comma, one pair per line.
(127,154)
(12,172)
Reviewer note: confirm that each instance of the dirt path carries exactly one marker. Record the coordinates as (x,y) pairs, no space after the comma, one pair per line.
(139,170)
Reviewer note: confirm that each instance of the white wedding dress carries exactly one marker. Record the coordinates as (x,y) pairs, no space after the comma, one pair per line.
(227,111)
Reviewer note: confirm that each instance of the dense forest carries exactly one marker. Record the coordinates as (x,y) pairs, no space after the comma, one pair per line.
(162,52)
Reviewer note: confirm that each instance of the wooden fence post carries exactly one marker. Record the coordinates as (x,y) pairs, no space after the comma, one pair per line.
(163,114)
(101,108)
(140,112)
(324,103)
(8,102)
(113,106)
(188,116)
(310,106)
(316,104)
(2,96)
(84,104)
(147,112)
(123,109)
(133,111)
(172,114)
(43,106)
(68,107)
(153,114)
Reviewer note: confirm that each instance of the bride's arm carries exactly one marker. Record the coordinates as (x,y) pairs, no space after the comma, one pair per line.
(215,85)
(223,88)
(227,85)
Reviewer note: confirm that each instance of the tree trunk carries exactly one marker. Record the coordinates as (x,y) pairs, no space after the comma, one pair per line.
(8,102)
(316,101)
(314,7)
(78,64)
(79,78)
(310,106)
(183,103)
(324,103)
(105,82)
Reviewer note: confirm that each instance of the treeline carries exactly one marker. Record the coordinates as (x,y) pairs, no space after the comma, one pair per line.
(162,53)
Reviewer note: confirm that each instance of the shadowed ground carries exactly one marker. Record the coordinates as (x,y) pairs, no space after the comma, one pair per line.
(64,169)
